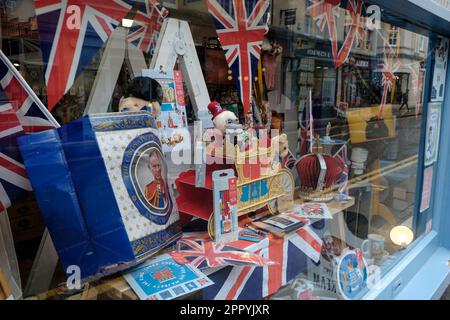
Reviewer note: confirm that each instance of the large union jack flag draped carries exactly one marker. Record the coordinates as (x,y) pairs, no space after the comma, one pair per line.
(250,282)
(20,112)
(148,22)
(241,25)
(71,33)
(204,253)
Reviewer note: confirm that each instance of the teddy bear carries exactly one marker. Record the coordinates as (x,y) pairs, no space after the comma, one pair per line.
(280,146)
(143,94)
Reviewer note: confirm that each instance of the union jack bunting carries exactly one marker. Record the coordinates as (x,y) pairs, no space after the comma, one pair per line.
(241,25)
(325,12)
(389,67)
(71,33)
(148,22)
(206,254)
(250,282)
(20,112)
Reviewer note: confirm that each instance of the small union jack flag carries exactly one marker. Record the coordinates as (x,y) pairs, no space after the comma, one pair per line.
(148,22)
(71,33)
(241,25)
(207,254)
(305,137)
(342,156)
(20,112)
(389,68)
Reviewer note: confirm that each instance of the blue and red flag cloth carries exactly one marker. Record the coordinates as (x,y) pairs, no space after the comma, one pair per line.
(21,112)
(291,255)
(147,25)
(202,252)
(240,26)
(71,33)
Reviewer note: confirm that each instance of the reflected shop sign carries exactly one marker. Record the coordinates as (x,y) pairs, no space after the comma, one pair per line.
(324,54)
(315,53)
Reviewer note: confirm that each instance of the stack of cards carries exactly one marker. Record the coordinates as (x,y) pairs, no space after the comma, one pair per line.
(281,224)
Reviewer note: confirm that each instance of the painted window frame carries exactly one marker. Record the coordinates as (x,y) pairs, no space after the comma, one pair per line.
(423,272)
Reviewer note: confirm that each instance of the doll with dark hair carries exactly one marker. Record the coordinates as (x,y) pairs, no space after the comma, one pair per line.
(143,93)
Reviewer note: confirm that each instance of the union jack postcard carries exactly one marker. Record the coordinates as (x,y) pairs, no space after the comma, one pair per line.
(162,278)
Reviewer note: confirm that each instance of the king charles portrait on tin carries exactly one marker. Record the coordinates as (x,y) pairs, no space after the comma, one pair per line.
(156,192)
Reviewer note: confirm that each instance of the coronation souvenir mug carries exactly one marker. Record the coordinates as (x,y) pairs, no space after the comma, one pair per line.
(373,246)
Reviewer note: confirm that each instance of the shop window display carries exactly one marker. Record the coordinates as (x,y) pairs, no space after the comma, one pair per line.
(317,197)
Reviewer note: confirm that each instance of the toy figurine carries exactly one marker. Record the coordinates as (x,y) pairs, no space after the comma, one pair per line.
(221,118)
(143,94)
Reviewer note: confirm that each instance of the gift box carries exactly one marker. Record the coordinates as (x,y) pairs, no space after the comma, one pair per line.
(101,184)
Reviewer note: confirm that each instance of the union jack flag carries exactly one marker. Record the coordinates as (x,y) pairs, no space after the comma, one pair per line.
(204,253)
(305,137)
(71,33)
(20,112)
(325,12)
(148,20)
(389,68)
(241,25)
(250,282)
(342,156)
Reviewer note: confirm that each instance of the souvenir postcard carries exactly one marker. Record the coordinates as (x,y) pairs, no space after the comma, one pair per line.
(312,210)
(162,278)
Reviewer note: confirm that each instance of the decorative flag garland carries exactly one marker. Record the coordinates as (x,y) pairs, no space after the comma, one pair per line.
(389,68)
(325,12)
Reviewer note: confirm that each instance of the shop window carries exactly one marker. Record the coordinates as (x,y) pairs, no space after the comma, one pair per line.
(344,95)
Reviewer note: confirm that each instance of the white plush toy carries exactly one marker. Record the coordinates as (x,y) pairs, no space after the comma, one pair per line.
(221,118)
